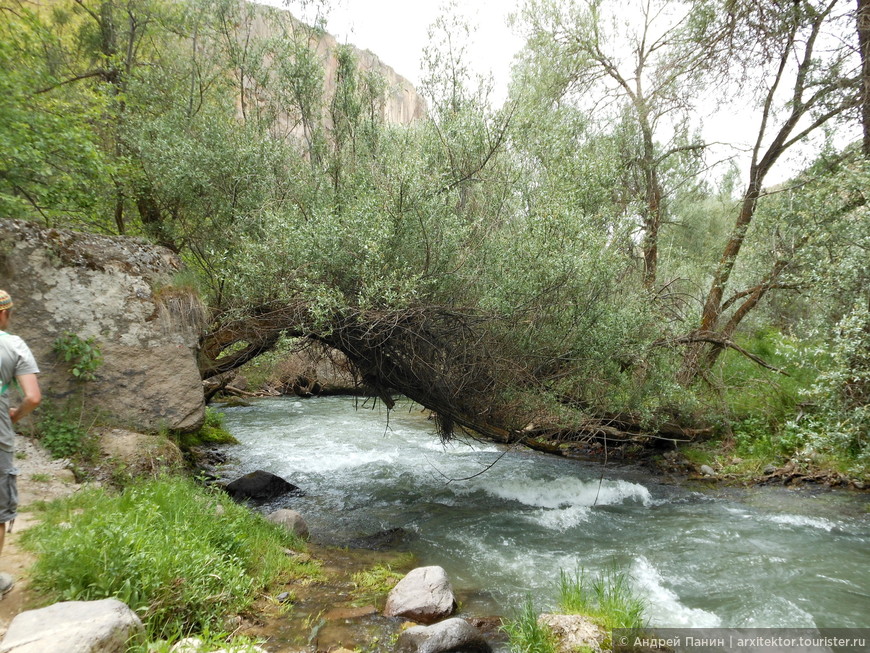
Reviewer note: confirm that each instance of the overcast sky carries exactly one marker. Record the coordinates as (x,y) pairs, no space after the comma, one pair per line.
(397,31)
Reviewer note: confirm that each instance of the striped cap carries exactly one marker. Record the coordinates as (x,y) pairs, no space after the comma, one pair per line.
(5,301)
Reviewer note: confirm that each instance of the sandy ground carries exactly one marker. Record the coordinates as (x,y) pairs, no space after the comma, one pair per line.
(40,479)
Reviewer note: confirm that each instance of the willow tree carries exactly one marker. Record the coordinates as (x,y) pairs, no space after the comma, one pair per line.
(637,68)
(799,60)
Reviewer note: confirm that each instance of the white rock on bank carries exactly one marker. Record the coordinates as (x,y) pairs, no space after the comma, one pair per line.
(448,635)
(424,595)
(104,626)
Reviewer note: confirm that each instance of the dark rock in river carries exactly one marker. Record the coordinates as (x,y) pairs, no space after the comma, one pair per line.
(261,486)
(382,541)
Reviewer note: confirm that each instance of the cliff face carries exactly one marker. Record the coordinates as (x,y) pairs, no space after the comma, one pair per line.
(402,104)
(118,291)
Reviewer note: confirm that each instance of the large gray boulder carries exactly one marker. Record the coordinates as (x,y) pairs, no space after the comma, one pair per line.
(118,291)
(449,635)
(424,595)
(291,520)
(105,626)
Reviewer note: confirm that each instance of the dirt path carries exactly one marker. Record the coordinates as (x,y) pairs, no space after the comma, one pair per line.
(40,479)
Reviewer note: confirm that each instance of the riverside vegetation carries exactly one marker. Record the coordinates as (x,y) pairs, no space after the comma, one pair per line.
(571,267)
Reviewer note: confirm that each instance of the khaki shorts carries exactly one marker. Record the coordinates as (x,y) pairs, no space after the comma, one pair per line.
(8,487)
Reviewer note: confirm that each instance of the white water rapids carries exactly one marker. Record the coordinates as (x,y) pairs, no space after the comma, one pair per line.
(767,557)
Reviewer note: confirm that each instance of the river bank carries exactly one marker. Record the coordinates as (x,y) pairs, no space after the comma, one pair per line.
(645,515)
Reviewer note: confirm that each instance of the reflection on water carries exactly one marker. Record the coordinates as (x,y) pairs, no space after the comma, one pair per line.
(768,557)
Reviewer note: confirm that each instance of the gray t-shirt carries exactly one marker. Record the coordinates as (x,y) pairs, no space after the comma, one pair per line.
(15,359)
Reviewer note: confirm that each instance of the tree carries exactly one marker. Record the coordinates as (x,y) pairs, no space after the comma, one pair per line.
(51,162)
(641,68)
(808,79)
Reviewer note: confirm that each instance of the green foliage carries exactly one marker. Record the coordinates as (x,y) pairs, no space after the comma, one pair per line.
(209,126)
(751,391)
(52,162)
(61,432)
(211,432)
(83,356)
(607,598)
(837,423)
(526,634)
(151,548)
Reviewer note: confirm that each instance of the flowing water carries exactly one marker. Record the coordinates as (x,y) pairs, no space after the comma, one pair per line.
(503,523)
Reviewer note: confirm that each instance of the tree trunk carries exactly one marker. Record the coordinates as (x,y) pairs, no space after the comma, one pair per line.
(863,20)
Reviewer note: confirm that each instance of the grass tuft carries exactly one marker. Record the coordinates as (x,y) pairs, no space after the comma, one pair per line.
(526,634)
(606,598)
(373,584)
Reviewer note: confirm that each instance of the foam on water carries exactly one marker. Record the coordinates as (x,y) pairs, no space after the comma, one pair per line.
(664,606)
(565,492)
(520,518)
(779,610)
(802,520)
(560,519)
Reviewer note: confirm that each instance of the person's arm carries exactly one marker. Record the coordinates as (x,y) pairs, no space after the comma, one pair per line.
(32,397)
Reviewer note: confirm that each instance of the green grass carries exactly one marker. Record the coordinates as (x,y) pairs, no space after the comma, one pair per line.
(372,585)
(526,635)
(209,641)
(40,478)
(606,598)
(749,390)
(165,548)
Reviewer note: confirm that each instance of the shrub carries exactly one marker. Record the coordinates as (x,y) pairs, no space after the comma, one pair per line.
(837,420)
(151,548)
(83,356)
(62,434)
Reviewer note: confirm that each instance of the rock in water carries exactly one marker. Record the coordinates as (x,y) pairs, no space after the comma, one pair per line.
(424,595)
(105,626)
(449,635)
(261,486)
(291,520)
(382,541)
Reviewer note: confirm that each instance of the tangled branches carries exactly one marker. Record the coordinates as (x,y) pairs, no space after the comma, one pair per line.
(437,356)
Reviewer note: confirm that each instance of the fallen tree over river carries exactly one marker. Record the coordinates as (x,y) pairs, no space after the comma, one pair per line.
(452,361)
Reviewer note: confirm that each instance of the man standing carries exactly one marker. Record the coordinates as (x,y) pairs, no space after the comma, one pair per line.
(16,364)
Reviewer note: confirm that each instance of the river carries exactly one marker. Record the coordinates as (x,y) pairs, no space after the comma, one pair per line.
(504,522)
